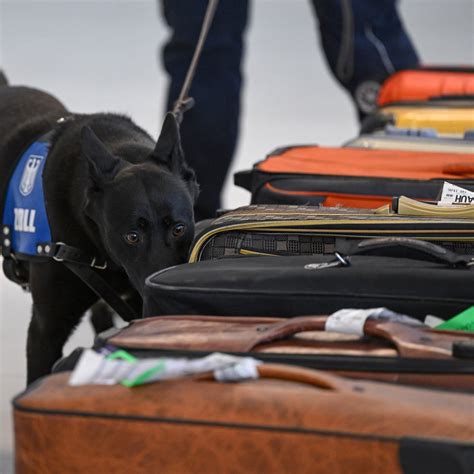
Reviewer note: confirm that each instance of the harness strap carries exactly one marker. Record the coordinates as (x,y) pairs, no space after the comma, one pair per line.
(15,264)
(81,264)
(102,289)
(16,271)
(61,252)
(84,265)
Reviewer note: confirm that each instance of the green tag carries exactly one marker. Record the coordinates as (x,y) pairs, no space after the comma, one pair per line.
(144,376)
(121,354)
(462,322)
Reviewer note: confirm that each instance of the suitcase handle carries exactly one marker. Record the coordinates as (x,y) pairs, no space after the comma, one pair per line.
(288,328)
(410,340)
(315,378)
(411,248)
(243,179)
(460,169)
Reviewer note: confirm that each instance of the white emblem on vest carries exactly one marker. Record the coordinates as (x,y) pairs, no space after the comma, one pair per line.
(25,220)
(28,177)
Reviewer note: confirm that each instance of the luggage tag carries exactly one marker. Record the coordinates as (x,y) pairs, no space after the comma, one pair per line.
(352,321)
(452,194)
(123,368)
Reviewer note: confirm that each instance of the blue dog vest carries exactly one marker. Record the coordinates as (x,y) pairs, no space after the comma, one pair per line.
(26,233)
(25,223)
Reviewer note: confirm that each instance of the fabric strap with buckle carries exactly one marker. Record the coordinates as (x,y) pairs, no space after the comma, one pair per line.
(84,265)
(60,252)
(100,286)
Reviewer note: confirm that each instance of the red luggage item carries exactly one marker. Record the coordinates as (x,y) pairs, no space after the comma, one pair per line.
(423,84)
(369,163)
(359,178)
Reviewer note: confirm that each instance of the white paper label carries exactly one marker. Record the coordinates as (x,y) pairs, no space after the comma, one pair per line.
(244,370)
(95,368)
(348,321)
(351,321)
(433,321)
(452,194)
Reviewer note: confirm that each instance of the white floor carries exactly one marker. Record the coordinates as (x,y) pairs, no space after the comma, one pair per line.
(102,56)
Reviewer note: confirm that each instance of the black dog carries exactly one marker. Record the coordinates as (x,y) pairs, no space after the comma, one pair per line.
(110,191)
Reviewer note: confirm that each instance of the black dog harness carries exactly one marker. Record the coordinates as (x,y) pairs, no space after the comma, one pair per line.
(27,236)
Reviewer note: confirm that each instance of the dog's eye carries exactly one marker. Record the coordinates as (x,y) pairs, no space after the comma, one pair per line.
(178,230)
(132,238)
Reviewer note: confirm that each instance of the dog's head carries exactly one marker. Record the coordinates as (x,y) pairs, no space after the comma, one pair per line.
(143,211)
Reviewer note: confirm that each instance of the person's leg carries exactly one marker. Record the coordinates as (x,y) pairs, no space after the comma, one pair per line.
(364,42)
(210,128)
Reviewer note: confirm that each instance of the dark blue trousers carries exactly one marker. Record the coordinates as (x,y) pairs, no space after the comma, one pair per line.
(363,40)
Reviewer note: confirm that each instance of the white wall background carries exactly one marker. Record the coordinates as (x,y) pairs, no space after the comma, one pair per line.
(103,56)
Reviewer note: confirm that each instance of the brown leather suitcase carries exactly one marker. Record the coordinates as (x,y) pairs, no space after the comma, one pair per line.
(390,350)
(289,420)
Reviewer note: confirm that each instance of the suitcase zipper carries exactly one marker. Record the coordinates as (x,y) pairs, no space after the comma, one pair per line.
(374,200)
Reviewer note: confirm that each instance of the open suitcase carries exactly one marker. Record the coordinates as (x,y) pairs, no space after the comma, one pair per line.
(290,419)
(393,138)
(304,230)
(426,83)
(349,177)
(383,346)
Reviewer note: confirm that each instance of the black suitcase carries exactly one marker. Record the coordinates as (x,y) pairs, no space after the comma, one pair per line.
(432,281)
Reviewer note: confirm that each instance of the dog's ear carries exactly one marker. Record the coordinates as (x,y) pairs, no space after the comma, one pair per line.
(103,166)
(169,152)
